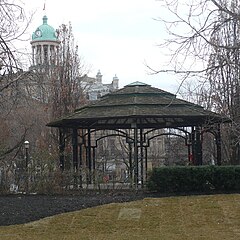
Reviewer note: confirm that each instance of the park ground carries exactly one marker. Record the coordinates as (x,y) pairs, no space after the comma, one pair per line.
(121,217)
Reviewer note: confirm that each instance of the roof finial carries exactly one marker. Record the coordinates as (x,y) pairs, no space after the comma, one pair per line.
(44,5)
(45,19)
(44,10)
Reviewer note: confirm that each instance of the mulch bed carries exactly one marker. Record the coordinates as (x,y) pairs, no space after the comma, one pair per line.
(18,209)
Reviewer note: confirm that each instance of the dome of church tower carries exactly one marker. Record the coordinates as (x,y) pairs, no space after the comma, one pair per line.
(45,48)
(45,32)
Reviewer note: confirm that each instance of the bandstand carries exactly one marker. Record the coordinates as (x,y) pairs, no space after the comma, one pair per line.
(134,112)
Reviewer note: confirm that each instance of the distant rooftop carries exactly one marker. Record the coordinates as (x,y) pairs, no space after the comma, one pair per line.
(137,83)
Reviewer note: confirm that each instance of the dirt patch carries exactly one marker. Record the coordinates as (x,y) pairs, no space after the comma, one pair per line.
(18,209)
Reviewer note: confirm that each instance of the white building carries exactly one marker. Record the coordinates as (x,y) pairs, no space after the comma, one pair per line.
(45,57)
(95,88)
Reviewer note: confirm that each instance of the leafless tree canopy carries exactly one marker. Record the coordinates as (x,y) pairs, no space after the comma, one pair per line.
(13,23)
(66,92)
(190,26)
(203,42)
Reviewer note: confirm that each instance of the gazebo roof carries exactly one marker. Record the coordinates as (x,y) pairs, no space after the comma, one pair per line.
(140,104)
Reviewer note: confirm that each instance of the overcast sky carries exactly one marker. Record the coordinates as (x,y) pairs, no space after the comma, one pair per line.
(114,36)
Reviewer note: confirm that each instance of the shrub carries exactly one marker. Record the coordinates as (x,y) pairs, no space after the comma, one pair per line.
(194,179)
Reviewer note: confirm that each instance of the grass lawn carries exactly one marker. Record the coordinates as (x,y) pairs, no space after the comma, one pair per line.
(189,217)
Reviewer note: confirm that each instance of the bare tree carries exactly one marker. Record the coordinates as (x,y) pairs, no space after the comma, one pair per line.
(66,91)
(190,26)
(224,79)
(204,45)
(13,23)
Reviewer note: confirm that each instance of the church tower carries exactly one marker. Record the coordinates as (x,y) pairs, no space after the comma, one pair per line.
(45,59)
(45,47)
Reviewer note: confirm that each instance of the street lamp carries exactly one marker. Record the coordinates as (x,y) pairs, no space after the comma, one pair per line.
(26,145)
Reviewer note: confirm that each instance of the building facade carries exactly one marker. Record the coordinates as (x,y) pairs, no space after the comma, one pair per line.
(94,88)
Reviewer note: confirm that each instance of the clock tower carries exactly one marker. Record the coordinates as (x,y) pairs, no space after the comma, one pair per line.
(45,47)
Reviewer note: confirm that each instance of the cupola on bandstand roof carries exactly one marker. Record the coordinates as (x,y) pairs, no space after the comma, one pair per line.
(140,105)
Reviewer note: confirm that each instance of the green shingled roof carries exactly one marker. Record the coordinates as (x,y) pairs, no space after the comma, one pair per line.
(149,107)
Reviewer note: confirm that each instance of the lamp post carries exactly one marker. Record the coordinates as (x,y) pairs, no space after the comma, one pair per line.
(26,145)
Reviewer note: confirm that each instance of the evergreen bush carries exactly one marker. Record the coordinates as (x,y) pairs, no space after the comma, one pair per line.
(180,179)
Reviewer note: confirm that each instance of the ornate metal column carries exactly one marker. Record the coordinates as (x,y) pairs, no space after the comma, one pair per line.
(146,164)
(193,141)
(135,145)
(80,164)
(198,146)
(218,144)
(89,157)
(141,157)
(61,148)
(130,162)
(94,162)
(75,149)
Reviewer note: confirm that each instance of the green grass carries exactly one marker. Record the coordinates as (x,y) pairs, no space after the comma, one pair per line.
(189,217)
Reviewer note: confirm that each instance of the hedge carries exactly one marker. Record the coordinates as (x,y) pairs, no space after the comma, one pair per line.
(194,179)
